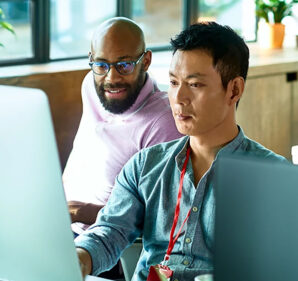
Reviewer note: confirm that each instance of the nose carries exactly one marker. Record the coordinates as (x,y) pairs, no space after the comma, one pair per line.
(180,94)
(113,75)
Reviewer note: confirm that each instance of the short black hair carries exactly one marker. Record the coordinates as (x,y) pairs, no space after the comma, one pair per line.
(229,52)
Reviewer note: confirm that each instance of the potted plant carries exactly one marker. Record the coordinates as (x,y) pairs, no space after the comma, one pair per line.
(271,33)
(5,25)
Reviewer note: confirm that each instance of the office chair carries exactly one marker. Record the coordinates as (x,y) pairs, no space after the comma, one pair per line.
(130,257)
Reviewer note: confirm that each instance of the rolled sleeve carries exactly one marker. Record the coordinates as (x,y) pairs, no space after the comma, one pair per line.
(119,223)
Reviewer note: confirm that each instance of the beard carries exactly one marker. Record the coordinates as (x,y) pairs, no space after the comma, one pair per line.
(119,106)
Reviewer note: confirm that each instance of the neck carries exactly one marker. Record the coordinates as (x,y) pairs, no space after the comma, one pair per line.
(204,148)
(210,143)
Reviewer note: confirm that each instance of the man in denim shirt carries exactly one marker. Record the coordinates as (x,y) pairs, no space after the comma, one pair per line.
(207,77)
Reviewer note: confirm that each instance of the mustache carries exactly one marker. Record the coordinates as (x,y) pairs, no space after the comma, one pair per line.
(114,86)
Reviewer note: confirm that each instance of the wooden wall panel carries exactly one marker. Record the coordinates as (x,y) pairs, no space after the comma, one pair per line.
(64,92)
(295,113)
(265,112)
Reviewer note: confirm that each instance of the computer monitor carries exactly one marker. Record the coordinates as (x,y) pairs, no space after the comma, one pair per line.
(256,225)
(36,241)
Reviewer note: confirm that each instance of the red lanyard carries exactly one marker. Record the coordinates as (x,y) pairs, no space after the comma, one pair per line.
(177,210)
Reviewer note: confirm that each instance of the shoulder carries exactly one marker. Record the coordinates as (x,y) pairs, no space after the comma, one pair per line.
(87,89)
(88,80)
(158,100)
(165,148)
(158,109)
(157,154)
(156,105)
(255,149)
(158,124)
(148,163)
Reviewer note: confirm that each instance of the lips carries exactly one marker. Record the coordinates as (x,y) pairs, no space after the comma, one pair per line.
(115,93)
(182,117)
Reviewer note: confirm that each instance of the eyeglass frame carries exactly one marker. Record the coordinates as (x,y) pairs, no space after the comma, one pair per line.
(134,63)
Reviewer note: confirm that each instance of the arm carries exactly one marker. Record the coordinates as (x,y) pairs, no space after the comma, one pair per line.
(85,261)
(119,224)
(83,212)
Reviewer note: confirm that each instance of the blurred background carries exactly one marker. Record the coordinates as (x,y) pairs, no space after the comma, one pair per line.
(49,50)
(47,30)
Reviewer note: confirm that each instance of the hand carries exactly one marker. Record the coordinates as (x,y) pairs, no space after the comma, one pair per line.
(83,212)
(85,261)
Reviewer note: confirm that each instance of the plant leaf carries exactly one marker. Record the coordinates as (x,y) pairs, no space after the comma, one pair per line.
(279,8)
(7,26)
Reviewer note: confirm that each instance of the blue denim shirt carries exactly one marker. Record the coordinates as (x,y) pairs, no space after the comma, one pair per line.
(143,203)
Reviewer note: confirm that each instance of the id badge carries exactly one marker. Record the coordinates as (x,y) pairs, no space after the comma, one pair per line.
(159,273)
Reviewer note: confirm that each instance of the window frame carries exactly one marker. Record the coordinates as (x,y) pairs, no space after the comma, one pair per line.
(40,27)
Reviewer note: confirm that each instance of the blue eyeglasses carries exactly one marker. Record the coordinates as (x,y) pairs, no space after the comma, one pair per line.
(123,67)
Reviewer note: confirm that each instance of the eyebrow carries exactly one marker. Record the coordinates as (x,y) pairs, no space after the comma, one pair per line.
(118,59)
(193,75)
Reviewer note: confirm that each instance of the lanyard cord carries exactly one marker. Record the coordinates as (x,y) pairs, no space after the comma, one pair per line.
(177,211)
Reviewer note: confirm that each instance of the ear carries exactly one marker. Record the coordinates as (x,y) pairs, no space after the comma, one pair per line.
(147,59)
(235,90)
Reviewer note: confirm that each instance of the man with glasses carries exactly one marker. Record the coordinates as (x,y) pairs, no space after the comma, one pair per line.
(123,112)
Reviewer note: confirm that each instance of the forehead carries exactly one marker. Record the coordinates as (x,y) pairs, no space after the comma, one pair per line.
(185,63)
(113,44)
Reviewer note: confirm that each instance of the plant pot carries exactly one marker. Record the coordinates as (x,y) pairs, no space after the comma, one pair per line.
(271,35)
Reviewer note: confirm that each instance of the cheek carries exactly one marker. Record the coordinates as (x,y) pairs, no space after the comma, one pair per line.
(172,102)
(171,95)
(219,107)
(132,79)
(212,98)
(98,80)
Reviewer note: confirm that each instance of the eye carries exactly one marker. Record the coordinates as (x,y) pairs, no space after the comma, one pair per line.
(101,65)
(173,83)
(196,85)
(125,66)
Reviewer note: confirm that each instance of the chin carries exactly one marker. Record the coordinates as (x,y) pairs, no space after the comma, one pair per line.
(183,130)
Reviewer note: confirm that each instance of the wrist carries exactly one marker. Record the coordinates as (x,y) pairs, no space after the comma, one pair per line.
(85,261)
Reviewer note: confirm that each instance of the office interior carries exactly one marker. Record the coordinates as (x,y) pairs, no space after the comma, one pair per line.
(269,113)
(51,40)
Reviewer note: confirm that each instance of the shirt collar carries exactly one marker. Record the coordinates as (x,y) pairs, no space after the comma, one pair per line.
(228,148)
(233,145)
(180,158)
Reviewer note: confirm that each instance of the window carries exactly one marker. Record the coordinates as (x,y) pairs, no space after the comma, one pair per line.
(48,30)
(238,14)
(160,20)
(18,46)
(72,23)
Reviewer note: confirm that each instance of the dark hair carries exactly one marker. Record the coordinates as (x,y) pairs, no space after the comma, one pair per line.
(229,52)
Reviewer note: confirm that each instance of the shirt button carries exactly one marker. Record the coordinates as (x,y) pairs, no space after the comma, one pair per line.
(187,240)
(195,209)
(186,262)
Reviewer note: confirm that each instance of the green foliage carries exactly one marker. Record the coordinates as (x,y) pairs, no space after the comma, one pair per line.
(5,25)
(213,9)
(278,8)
